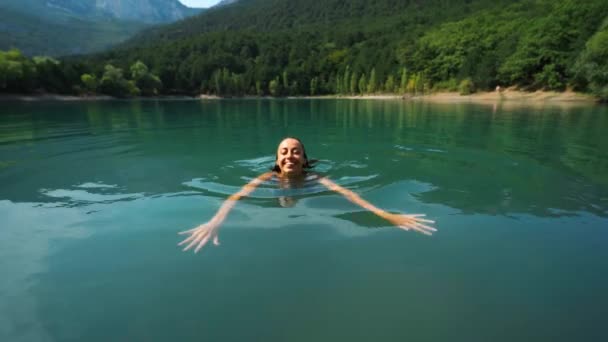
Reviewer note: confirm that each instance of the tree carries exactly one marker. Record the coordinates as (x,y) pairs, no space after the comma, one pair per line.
(362,84)
(346,80)
(591,68)
(17,73)
(404,81)
(49,74)
(339,84)
(371,86)
(389,86)
(258,88)
(285,88)
(113,83)
(314,86)
(353,83)
(89,82)
(274,87)
(148,83)
(466,87)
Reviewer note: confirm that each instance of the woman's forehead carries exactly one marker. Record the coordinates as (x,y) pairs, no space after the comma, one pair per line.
(289,143)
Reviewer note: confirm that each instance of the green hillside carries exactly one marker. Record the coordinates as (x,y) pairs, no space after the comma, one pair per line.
(37,36)
(303,47)
(63,27)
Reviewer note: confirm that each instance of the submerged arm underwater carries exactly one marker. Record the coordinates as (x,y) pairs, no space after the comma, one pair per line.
(201,235)
(403,221)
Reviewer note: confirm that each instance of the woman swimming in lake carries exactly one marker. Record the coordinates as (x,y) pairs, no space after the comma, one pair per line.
(290,167)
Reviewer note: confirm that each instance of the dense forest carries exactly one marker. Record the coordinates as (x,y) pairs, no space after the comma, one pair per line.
(300,47)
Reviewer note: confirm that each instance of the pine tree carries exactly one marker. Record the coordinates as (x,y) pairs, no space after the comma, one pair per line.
(362,84)
(346,80)
(404,81)
(353,83)
(371,86)
(389,86)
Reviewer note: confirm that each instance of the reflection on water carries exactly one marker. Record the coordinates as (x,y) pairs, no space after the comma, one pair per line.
(92,195)
(502,152)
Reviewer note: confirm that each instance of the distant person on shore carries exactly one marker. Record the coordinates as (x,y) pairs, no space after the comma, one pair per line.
(291,166)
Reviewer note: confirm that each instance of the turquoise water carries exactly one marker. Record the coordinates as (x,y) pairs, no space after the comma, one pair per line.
(92,195)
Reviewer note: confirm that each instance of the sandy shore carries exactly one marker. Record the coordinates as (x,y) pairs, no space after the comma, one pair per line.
(484,97)
(508,97)
(57,97)
(511,95)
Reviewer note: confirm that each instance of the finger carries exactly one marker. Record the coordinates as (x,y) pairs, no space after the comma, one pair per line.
(416,222)
(216,241)
(187,231)
(422,231)
(196,240)
(407,228)
(203,243)
(416,215)
(188,239)
(424,220)
(425,226)
(404,227)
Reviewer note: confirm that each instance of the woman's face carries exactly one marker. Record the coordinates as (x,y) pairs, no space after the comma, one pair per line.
(290,157)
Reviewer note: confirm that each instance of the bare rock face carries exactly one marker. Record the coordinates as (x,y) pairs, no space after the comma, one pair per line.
(149,11)
(225,2)
(154,11)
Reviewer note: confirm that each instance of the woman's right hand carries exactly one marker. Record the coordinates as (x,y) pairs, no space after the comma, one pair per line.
(200,235)
(411,221)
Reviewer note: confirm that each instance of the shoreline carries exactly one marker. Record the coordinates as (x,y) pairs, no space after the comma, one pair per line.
(493,97)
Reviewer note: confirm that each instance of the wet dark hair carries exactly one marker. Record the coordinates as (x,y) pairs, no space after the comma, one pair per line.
(310,163)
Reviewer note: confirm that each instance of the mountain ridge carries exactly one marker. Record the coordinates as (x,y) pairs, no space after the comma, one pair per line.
(63,27)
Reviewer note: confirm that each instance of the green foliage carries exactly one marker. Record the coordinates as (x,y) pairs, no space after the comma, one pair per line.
(90,82)
(35,33)
(17,73)
(148,83)
(591,69)
(548,49)
(353,87)
(389,86)
(258,88)
(371,86)
(449,85)
(362,84)
(274,87)
(314,86)
(346,80)
(113,83)
(404,80)
(466,87)
(354,47)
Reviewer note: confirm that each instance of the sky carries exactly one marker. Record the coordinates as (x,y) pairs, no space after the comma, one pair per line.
(199,3)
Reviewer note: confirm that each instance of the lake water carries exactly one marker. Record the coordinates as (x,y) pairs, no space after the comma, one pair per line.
(92,195)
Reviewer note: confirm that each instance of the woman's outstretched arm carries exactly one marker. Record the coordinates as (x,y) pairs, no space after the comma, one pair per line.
(406,222)
(207,231)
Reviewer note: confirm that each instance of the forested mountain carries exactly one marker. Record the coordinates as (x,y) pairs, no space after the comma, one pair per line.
(36,36)
(147,11)
(61,27)
(301,47)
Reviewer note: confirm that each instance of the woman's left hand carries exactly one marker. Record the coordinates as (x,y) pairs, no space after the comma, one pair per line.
(411,221)
(200,235)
